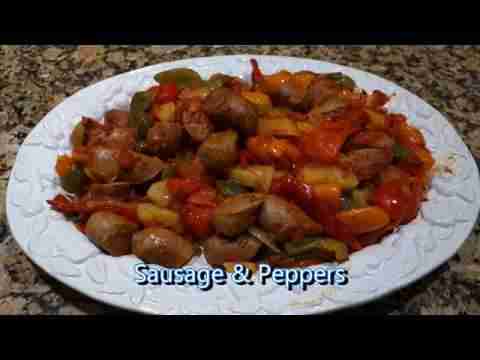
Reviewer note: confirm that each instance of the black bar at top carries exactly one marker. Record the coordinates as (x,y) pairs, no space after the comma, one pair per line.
(241,38)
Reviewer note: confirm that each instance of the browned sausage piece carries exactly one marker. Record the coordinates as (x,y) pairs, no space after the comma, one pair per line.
(235,214)
(282,217)
(164,138)
(197,125)
(117,190)
(288,94)
(319,91)
(111,232)
(219,150)
(95,132)
(374,139)
(391,173)
(116,118)
(145,169)
(366,163)
(103,164)
(122,137)
(233,110)
(219,250)
(156,245)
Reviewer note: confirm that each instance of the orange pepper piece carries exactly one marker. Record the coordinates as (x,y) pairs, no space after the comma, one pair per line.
(364,220)
(64,165)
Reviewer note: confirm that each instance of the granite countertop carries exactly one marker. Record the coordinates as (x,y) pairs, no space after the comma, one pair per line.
(34,79)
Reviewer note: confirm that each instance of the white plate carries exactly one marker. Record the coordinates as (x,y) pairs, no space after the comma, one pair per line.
(445,221)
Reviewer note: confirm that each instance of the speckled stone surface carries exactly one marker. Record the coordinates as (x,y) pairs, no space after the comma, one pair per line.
(34,79)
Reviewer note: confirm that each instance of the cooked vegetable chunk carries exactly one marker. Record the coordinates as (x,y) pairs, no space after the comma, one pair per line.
(159,194)
(138,118)
(324,247)
(230,187)
(150,214)
(313,174)
(164,112)
(258,177)
(364,220)
(77,138)
(75,181)
(181,77)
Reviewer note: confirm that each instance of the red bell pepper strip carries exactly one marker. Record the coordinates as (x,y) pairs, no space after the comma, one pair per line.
(197,219)
(166,93)
(69,206)
(324,143)
(257,75)
(294,190)
(246,158)
(64,165)
(205,197)
(181,189)
(401,198)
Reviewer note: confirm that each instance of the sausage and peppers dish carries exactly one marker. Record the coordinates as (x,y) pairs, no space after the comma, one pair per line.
(289,169)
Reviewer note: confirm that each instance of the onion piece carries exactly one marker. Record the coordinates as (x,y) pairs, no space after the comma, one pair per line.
(265,238)
(145,169)
(240,203)
(258,177)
